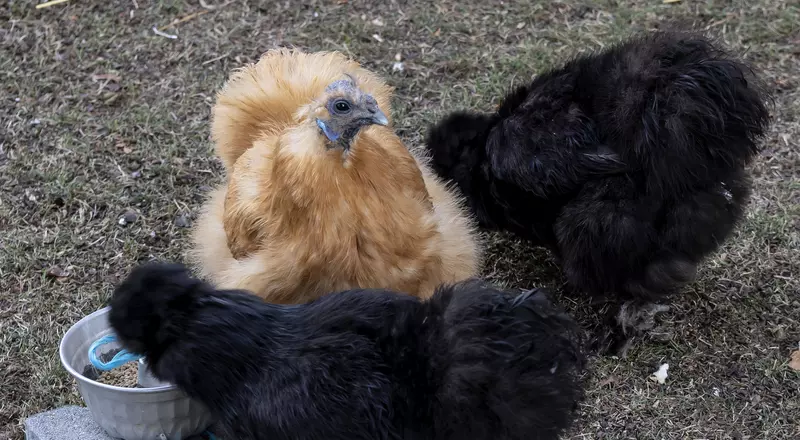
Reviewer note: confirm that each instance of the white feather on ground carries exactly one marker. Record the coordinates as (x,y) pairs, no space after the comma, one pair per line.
(660,375)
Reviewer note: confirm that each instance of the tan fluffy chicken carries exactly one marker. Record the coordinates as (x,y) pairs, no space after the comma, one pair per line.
(322,195)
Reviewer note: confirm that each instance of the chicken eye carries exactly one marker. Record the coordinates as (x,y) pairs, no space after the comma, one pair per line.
(341,106)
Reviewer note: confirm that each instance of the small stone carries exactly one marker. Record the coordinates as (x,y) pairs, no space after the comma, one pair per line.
(794,360)
(128,217)
(183,221)
(30,196)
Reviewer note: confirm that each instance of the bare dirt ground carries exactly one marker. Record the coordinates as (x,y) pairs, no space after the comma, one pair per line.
(102,119)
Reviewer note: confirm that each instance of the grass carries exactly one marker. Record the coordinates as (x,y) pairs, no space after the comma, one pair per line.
(100,117)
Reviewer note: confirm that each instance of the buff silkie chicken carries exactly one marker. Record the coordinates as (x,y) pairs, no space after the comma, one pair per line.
(322,195)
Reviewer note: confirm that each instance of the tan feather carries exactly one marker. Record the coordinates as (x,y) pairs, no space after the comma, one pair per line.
(298,219)
(263,98)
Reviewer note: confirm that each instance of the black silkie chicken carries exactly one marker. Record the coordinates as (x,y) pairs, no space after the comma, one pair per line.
(472,362)
(629,164)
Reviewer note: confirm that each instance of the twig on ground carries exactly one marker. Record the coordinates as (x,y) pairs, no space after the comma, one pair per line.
(183,20)
(215,59)
(50,3)
(163,34)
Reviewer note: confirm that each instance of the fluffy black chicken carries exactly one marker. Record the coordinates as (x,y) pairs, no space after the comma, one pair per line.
(473,362)
(629,164)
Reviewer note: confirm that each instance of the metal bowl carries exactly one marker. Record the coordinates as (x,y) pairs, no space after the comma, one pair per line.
(159,412)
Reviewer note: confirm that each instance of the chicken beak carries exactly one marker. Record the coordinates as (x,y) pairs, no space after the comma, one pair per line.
(379,118)
(376,116)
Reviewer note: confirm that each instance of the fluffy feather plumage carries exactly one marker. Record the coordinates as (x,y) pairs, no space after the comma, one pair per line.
(471,362)
(300,216)
(629,163)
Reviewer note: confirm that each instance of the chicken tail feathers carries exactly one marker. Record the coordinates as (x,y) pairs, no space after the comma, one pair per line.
(688,111)
(522,353)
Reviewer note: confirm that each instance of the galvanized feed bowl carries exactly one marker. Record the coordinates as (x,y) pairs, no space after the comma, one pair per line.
(129,413)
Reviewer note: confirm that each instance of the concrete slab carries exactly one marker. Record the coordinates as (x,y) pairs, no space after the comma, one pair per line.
(68,423)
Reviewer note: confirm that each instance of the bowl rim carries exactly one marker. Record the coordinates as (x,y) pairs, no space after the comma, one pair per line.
(80,377)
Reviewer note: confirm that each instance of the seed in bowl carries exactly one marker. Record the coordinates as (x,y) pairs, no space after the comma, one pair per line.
(126,376)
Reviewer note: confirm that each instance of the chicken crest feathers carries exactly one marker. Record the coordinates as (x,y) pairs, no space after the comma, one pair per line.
(262,98)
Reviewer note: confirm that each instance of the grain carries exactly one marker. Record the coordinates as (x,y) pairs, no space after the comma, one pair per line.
(124,376)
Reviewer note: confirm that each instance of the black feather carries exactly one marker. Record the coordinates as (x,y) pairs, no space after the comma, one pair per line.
(471,362)
(628,163)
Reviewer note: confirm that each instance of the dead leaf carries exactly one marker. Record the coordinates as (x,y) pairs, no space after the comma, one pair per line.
(113,87)
(125,148)
(57,272)
(122,145)
(794,363)
(437,33)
